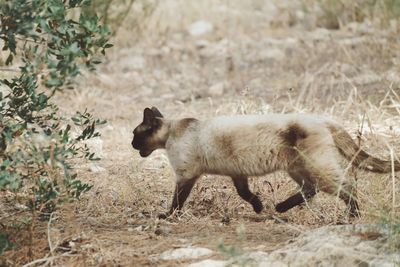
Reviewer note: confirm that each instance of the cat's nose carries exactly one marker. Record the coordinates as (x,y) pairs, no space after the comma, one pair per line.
(135,144)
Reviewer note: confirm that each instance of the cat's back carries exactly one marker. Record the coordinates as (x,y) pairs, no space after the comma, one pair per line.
(255,133)
(274,121)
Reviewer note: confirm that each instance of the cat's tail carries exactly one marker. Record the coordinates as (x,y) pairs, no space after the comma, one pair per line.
(358,157)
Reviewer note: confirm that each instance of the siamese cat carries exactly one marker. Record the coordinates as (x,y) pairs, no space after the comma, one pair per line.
(307,147)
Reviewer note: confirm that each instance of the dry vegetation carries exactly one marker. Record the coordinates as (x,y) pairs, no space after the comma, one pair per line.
(259,58)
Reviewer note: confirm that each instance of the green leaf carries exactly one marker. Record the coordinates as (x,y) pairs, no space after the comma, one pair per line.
(53,82)
(59,47)
(9,180)
(5,243)
(9,59)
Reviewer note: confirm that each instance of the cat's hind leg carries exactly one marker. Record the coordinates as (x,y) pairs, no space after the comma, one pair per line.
(307,191)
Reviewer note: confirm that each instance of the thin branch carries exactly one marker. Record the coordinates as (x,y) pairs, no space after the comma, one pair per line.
(48,234)
(47,259)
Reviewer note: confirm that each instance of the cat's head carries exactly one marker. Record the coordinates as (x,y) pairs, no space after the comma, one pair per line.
(147,135)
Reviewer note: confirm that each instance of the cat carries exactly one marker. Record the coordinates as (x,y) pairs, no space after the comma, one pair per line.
(308,147)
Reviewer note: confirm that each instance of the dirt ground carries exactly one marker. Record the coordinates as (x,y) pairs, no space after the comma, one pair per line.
(250,62)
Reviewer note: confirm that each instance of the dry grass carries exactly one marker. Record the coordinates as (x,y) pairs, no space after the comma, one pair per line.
(346,75)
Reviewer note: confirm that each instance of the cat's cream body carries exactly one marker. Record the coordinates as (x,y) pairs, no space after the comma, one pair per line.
(249,145)
(308,147)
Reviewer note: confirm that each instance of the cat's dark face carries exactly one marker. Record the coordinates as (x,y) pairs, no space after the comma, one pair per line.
(146,136)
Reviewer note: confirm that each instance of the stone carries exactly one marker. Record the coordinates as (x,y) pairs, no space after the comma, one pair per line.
(163,230)
(334,246)
(393,77)
(140,228)
(366,78)
(320,34)
(96,168)
(130,63)
(216,89)
(200,27)
(272,54)
(95,146)
(345,245)
(209,263)
(185,253)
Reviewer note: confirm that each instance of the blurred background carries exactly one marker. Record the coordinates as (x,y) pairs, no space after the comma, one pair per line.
(295,52)
(189,58)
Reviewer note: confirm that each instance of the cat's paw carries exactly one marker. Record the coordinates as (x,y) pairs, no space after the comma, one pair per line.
(257,206)
(281,207)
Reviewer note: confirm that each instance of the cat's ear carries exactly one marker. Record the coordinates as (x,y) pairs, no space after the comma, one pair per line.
(156,112)
(148,116)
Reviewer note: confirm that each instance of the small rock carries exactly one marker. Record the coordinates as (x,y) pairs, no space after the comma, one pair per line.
(353,41)
(394,25)
(109,128)
(200,27)
(166,50)
(267,262)
(96,168)
(285,42)
(272,54)
(21,206)
(209,263)
(364,79)
(333,246)
(365,27)
(183,241)
(140,228)
(217,89)
(96,146)
(300,15)
(185,253)
(106,79)
(320,34)
(347,69)
(162,230)
(393,76)
(132,63)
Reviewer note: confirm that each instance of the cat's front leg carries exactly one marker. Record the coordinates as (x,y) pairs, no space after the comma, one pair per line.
(182,191)
(242,187)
